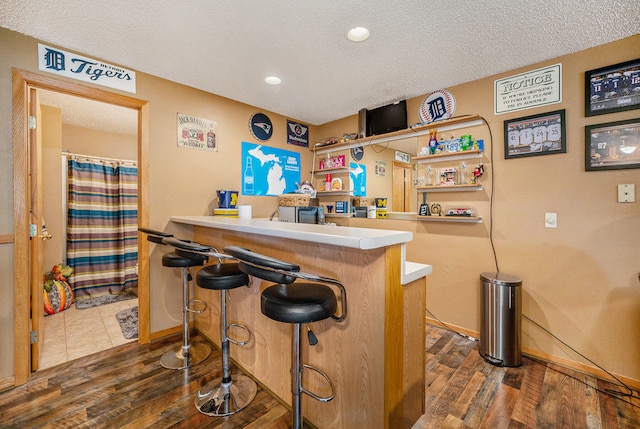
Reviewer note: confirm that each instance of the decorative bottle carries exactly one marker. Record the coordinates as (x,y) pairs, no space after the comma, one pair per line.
(248,188)
(430,176)
(433,141)
(211,138)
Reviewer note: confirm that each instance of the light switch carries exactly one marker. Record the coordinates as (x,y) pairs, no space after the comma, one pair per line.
(627,193)
(550,220)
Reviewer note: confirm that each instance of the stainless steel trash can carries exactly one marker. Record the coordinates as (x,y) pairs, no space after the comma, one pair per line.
(501,319)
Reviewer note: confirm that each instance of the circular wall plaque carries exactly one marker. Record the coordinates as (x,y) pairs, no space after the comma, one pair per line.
(438,105)
(260,126)
(357,153)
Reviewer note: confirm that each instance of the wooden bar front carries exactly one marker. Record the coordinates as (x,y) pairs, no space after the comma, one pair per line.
(375,358)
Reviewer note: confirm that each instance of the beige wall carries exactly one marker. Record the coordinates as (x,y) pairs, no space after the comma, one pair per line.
(87,141)
(580,280)
(182,181)
(51,121)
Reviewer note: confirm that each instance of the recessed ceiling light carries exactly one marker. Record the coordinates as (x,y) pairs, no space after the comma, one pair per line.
(273,80)
(358,34)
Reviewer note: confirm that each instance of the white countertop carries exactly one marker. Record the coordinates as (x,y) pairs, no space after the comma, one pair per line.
(358,238)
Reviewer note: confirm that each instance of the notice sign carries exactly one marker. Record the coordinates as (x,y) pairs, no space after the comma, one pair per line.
(536,88)
(67,64)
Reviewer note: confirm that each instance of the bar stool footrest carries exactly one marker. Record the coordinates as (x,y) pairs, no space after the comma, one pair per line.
(196,306)
(237,342)
(326,377)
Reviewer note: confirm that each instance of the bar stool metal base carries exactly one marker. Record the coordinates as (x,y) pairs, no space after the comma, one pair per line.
(218,399)
(174,359)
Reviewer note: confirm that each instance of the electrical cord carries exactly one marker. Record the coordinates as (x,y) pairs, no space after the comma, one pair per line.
(607,391)
(491,198)
(610,392)
(382,148)
(493,248)
(450,328)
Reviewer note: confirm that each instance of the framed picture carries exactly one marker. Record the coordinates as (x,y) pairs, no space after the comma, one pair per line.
(541,134)
(424,210)
(612,89)
(612,146)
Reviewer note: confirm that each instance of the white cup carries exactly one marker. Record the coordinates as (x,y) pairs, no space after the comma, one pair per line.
(371,212)
(244,212)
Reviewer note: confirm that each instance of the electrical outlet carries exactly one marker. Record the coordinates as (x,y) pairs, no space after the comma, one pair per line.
(627,193)
(550,220)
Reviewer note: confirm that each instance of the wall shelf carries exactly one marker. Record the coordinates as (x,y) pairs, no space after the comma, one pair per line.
(465,121)
(331,170)
(446,157)
(337,214)
(327,193)
(473,219)
(449,188)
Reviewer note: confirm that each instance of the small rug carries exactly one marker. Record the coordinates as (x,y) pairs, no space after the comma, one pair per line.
(81,304)
(128,320)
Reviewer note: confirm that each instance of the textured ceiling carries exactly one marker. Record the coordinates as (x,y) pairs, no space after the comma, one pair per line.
(82,112)
(416,46)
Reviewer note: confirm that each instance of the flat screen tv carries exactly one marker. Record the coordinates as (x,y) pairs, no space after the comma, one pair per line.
(385,119)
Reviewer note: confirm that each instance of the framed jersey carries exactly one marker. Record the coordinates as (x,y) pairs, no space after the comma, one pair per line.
(541,134)
(612,89)
(612,146)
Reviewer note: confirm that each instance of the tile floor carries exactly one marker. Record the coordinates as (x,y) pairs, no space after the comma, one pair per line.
(74,333)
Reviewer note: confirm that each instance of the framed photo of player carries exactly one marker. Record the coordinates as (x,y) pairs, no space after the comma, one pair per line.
(542,134)
(612,146)
(612,89)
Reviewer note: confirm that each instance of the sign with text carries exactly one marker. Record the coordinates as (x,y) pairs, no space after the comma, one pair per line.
(403,157)
(535,88)
(269,170)
(73,66)
(358,179)
(196,133)
(297,134)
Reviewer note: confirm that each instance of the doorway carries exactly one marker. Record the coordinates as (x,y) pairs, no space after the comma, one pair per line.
(27,265)
(401,192)
(86,144)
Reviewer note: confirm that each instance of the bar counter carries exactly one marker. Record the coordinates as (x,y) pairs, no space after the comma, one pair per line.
(375,358)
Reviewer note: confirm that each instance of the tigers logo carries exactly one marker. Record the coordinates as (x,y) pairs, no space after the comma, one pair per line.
(437,106)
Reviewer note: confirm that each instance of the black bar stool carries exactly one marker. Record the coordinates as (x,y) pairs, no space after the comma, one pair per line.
(296,303)
(225,395)
(189,354)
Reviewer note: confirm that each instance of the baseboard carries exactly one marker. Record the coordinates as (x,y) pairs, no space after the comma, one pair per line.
(547,358)
(460,329)
(7,383)
(580,367)
(167,332)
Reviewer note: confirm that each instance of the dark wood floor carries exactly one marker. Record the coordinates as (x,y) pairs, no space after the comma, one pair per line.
(126,387)
(464,391)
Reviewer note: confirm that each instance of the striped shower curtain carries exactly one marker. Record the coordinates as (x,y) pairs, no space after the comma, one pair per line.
(102,236)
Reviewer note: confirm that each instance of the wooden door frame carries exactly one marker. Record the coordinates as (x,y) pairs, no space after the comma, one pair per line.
(406,192)
(23,80)
(36,247)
